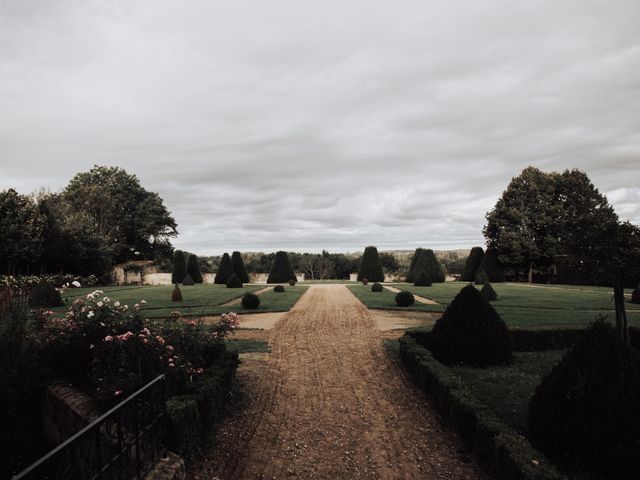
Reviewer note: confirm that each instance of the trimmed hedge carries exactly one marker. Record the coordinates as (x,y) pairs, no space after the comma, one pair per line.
(281,270)
(488,292)
(188,280)
(471,265)
(250,301)
(234,282)
(179,267)
(45,295)
(411,275)
(504,453)
(239,267)
(422,280)
(376,287)
(278,289)
(292,283)
(405,299)
(225,270)
(425,260)
(193,268)
(371,266)
(492,266)
(481,278)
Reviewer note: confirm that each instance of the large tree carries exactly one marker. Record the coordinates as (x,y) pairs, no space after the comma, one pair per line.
(133,221)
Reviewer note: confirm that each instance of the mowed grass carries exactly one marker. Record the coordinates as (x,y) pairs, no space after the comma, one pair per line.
(197,300)
(520,305)
(247,346)
(507,390)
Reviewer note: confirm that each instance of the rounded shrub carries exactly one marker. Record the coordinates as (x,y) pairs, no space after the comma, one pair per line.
(45,295)
(635,295)
(488,292)
(481,277)
(365,281)
(188,280)
(376,287)
(234,282)
(176,294)
(278,289)
(585,413)
(470,331)
(405,299)
(250,301)
(292,283)
(422,279)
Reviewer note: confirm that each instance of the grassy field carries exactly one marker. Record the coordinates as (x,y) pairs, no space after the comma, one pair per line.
(247,346)
(198,300)
(520,305)
(507,390)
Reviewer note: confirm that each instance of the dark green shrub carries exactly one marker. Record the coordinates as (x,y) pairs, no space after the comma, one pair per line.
(492,266)
(635,295)
(250,301)
(488,292)
(425,260)
(585,413)
(179,267)
(471,265)
(225,270)
(176,294)
(481,278)
(470,331)
(405,299)
(281,270)
(376,287)
(234,282)
(370,266)
(365,281)
(422,279)
(413,271)
(188,280)
(45,295)
(193,269)
(278,289)
(185,426)
(239,267)
(292,283)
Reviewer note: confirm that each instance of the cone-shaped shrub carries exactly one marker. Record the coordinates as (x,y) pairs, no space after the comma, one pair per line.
(586,410)
(370,266)
(45,295)
(250,301)
(281,271)
(278,289)
(188,280)
(193,269)
(225,270)
(179,267)
(376,287)
(413,271)
(422,279)
(471,265)
(405,299)
(234,282)
(635,295)
(491,265)
(481,278)
(239,267)
(470,331)
(176,294)
(488,292)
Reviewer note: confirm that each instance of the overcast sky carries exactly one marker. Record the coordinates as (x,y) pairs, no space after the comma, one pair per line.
(305,125)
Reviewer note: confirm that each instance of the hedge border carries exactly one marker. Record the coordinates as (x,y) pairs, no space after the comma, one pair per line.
(501,450)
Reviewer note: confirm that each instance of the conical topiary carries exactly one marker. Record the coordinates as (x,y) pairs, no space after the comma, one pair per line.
(176,294)
(188,280)
(471,265)
(239,267)
(281,270)
(234,282)
(488,292)
(425,259)
(193,269)
(481,278)
(492,266)
(585,413)
(635,295)
(225,270)
(413,271)
(179,267)
(422,280)
(370,266)
(470,331)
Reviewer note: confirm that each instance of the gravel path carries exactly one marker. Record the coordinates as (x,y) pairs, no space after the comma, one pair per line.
(329,402)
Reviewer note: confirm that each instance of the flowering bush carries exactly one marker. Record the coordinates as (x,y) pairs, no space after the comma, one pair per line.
(59,280)
(111,349)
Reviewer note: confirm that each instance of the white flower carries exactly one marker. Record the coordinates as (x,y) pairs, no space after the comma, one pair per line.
(100,304)
(106,299)
(90,314)
(90,296)
(143,302)
(116,304)
(76,284)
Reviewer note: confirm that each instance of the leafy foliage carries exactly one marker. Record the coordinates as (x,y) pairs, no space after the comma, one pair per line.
(405,299)
(422,279)
(470,331)
(370,266)
(193,268)
(488,292)
(225,270)
(585,412)
(281,270)
(376,287)
(250,301)
(179,267)
(45,295)
(234,282)
(492,266)
(239,268)
(471,265)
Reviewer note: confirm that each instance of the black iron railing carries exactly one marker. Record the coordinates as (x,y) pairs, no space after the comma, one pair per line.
(124,443)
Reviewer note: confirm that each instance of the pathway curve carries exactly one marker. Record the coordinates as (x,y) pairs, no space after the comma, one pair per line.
(330,403)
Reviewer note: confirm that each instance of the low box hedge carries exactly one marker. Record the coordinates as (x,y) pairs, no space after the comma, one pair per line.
(502,451)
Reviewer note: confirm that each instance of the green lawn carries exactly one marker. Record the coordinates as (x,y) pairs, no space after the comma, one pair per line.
(507,390)
(520,305)
(198,300)
(247,346)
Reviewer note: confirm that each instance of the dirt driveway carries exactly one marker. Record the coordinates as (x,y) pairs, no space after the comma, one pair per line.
(330,403)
